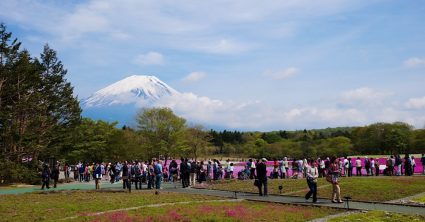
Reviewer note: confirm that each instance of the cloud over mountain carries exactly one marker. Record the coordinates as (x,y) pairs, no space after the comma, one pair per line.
(122,100)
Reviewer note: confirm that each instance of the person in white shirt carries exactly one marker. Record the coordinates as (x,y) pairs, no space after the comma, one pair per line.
(322,168)
(358,167)
(346,165)
(312,174)
(286,165)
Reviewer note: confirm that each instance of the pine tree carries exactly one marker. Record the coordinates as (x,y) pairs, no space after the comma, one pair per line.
(62,108)
(37,106)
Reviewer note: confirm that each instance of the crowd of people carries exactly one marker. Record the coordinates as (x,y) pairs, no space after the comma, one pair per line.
(189,172)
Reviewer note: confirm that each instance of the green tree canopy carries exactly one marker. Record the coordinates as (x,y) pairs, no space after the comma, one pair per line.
(163,132)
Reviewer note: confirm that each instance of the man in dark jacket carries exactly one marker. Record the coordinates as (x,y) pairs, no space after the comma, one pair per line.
(45,177)
(183,172)
(262,177)
(55,175)
(125,177)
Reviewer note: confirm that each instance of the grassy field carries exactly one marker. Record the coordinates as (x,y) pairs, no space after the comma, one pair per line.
(378,216)
(289,185)
(364,189)
(81,206)
(228,211)
(56,205)
(420,199)
(86,205)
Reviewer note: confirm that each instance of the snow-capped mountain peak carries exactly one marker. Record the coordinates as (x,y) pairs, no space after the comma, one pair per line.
(133,89)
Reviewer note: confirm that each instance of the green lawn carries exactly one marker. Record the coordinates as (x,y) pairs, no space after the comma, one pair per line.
(378,216)
(228,211)
(56,205)
(420,199)
(365,189)
(289,185)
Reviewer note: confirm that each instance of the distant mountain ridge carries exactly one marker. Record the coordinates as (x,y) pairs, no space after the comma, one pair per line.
(135,89)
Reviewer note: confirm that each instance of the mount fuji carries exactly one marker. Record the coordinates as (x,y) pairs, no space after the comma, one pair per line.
(121,100)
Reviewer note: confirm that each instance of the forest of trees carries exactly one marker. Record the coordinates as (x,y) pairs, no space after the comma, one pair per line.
(40,119)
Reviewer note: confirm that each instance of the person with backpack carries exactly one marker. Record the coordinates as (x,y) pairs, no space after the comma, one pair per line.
(262,177)
(390,166)
(312,175)
(158,174)
(398,164)
(81,171)
(183,172)
(208,172)
(151,174)
(125,177)
(282,170)
(367,166)
(137,175)
(346,164)
(192,170)
(214,169)
(55,175)
(66,172)
(350,167)
(336,190)
(45,176)
(112,172)
(97,175)
(407,165)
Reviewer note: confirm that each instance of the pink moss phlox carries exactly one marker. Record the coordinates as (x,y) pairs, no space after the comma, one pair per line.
(174,215)
(148,219)
(205,209)
(119,216)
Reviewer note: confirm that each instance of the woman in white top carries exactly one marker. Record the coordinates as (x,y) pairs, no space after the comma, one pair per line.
(286,165)
(312,174)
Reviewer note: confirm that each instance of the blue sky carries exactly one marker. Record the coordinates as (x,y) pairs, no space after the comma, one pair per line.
(254,65)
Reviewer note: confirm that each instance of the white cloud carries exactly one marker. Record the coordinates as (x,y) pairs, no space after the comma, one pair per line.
(282,74)
(150,58)
(416,103)
(166,22)
(222,46)
(256,115)
(194,77)
(363,97)
(414,62)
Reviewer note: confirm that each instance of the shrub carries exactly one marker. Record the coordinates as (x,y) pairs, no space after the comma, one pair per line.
(12,172)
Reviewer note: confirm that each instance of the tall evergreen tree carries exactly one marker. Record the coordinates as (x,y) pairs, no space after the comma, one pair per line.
(37,106)
(62,108)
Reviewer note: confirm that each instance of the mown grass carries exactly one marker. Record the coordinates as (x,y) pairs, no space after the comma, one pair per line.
(57,205)
(378,216)
(228,211)
(363,189)
(289,185)
(420,199)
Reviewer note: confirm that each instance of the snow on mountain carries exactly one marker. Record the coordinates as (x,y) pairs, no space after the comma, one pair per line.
(136,89)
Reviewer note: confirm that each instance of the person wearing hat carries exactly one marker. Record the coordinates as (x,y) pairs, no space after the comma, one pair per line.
(262,177)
